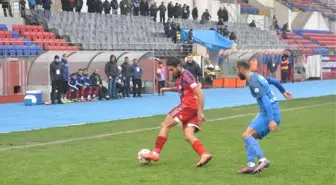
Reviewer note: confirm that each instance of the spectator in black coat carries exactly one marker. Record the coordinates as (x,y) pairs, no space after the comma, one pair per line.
(162,9)
(111,71)
(220,14)
(272,67)
(142,8)
(195,13)
(115,6)
(233,36)
(193,68)
(226,15)
(170,10)
(122,7)
(57,78)
(90,4)
(79,5)
(99,6)
(153,11)
(252,24)
(97,83)
(107,7)
(206,16)
(176,10)
(127,71)
(6,6)
(22,7)
(136,8)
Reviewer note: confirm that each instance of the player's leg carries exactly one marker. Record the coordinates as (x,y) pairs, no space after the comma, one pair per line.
(168,123)
(189,130)
(89,92)
(82,93)
(252,146)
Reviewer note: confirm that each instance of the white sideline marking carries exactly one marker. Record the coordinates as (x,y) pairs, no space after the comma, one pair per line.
(144,129)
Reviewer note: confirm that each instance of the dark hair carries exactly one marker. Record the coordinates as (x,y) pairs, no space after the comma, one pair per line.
(56,57)
(160,62)
(113,56)
(64,55)
(243,63)
(73,74)
(174,62)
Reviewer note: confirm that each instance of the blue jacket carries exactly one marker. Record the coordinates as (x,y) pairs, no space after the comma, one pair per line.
(87,81)
(72,82)
(65,69)
(137,71)
(80,80)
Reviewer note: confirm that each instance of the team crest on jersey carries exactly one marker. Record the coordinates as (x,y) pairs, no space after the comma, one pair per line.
(256,90)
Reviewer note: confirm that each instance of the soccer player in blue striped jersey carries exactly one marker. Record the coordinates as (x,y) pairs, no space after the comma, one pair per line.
(267,120)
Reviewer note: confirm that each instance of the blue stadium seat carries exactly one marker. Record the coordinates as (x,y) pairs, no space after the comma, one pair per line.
(3,27)
(15,34)
(33,50)
(19,50)
(300,31)
(2,50)
(25,50)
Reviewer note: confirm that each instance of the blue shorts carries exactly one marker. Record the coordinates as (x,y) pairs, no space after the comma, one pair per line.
(260,124)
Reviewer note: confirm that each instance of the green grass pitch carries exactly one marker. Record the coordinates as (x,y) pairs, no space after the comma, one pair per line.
(302,153)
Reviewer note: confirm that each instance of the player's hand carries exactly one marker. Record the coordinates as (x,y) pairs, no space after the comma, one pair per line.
(200,117)
(288,95)
(274,127)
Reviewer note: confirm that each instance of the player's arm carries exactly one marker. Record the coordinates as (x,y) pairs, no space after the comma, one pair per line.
(278,85)
(165,89)
(200,98)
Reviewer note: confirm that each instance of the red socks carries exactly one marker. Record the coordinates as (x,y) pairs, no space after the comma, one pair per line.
(198,147)
(160,141)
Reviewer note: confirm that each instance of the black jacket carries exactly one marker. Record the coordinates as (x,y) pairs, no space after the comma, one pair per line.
(96,79)
(56,71)
(111,69)
(126,70)
(194,69)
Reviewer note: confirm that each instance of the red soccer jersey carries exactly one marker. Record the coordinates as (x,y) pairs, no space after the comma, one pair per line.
(185,85)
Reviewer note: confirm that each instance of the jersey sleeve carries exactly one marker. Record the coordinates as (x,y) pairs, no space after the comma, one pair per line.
(276,83)
(190,80)
(257,89)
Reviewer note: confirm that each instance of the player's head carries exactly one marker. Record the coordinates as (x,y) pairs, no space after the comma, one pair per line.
(80,71)
(160,63)
(242,68)
(175,66)
(65,57)
(73,75)
(85,71)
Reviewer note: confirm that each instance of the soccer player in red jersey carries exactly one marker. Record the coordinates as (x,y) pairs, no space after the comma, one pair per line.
(189,113)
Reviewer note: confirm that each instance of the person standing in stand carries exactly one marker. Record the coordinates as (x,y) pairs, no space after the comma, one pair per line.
(161,77)
(136,78)
(57,79)
(284,69)
(127,73)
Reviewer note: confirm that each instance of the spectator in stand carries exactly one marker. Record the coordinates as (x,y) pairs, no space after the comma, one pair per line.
(233,37)
(83,86)
(220,14)
(99,6)
(177,37)
(107,7)
(275,23)
(206,16)
(115,6)
(22,4)
(142,8)
(190,36)
(162,9)
(47,6)
(32,4)
(220,22)
(65,5)
(284,68)
(180,11)
(186,13)
(136,78)
(226,15)
(123,7)
(161,77)
(66,75)
(111,71)
(57,79)
(284,35)
(91,4)
(272,67)
(194,13)
(127,72)
(136,8)
(147,10)
(193,68)
(97,84)
(79,5)
(120,84)
(7,6)
(176,11)
(73,87)
(170,10)
(153,11)
(252,24)
(167,29)
(285,27)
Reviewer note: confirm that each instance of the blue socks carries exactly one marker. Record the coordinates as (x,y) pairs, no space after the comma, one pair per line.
(253,149)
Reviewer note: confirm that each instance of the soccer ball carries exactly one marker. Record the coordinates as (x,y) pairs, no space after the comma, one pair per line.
(141,159)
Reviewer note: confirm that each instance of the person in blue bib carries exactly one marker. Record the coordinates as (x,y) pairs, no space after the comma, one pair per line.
(267,120)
